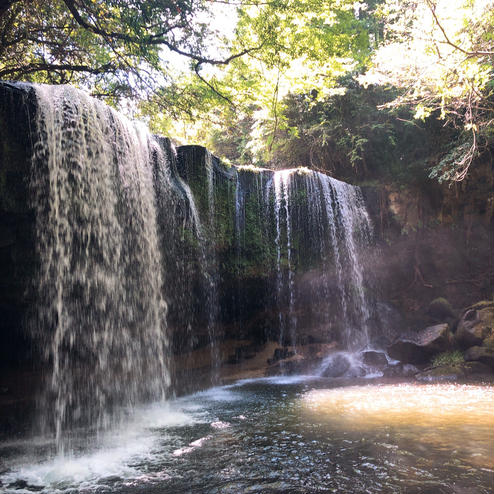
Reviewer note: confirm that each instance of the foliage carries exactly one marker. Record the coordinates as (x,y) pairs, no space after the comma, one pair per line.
(343,133)
(346,134)
(300,44)
(448,358)
(279,88)
(114,47)
(439,54)
(424,103)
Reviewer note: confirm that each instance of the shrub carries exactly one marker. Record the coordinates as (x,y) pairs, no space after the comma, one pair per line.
(448,358)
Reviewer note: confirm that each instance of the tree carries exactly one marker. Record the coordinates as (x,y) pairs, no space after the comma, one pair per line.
(439,53)
(113,47)
(302,45)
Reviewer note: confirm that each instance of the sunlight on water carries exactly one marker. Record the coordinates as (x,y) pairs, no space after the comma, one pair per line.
(405,404)
(279,435)
(454,418)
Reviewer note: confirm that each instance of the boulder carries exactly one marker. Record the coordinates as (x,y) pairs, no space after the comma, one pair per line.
(337,367)
(440,309)
(443,373)
(418,348)
(374,359)
(481,354)
(408,351)
(435,339)
(476,324)
(489,342)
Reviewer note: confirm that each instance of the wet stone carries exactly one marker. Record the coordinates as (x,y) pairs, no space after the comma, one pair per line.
(375,359)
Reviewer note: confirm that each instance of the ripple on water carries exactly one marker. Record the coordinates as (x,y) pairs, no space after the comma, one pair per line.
(266,437)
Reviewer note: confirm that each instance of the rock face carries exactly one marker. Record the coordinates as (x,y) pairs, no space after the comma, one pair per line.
(18,262)
(419,348)
(476,325)
(481,354)
(437,244)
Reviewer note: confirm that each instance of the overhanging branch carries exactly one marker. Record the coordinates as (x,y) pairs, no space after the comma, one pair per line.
(153,39)
(476,53)
(209,85)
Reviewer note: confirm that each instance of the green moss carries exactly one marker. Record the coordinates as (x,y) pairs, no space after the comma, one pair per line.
(482,305)
(448,358)
(440,308)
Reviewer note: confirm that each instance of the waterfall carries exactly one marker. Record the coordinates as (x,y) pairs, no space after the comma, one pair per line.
(211,272)
(286,318)
(350,231)
(137,244)
(333,217)
(101,314)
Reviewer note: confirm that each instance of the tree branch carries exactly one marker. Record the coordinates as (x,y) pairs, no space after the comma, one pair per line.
(153,39)
(432,8)
(210,61)
(210,86)
(42,67)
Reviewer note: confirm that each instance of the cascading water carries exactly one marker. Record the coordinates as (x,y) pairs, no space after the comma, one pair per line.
(287,322)
(211,264)
(337,228)
(350,231)
(118,232)
(197,169)
(101,315)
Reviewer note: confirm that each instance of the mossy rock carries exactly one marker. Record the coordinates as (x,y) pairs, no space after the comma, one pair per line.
(440,309)
(448,358)
(483,304)
(476,324)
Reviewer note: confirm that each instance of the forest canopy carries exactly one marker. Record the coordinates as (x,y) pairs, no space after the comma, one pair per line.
(332,84)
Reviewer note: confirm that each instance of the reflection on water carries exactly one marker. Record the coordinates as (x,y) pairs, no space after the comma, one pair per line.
(442,405)
(290,436)
(452,423)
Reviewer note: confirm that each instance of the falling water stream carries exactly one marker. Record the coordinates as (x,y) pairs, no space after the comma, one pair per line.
(101,315)
(341,229)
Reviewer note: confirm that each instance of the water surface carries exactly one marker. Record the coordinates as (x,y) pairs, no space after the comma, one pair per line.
(280,435)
